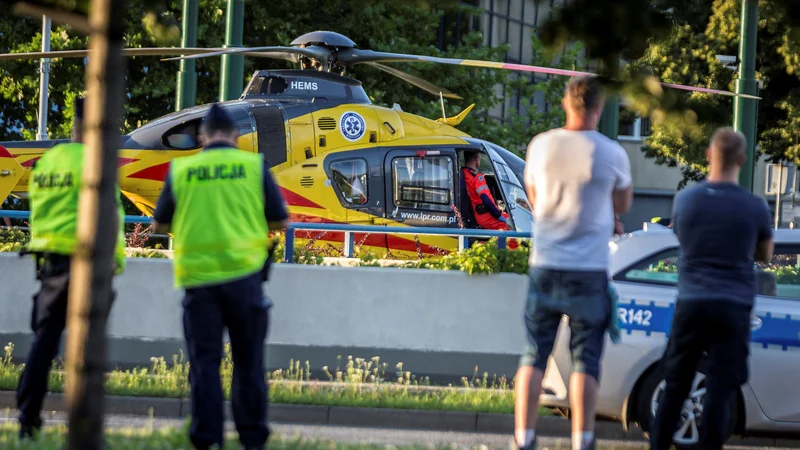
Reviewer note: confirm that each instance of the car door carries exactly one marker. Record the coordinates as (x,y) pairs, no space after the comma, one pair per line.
(775,339)
(420,187)
(647,293)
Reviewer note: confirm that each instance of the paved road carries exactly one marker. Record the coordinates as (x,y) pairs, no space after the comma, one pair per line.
(363,435)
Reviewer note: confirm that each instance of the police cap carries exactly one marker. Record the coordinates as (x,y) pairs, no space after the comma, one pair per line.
(217,119)
(79,108)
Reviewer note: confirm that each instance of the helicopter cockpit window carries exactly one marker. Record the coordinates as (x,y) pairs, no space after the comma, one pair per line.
(512,187)
(269,85)
(183,136)
(351,178)
(425,183)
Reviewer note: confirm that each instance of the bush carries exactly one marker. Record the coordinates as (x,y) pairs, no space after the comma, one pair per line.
(481,258)
(146,253)
(13,239)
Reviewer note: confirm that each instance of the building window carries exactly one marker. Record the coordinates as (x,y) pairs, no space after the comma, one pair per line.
(423,183)
(636,128)
(627,122)
(350,177)
(645,126)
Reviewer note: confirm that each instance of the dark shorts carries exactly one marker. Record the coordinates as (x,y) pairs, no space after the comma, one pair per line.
(582,296)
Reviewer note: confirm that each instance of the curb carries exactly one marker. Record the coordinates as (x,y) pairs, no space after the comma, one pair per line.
(377,417)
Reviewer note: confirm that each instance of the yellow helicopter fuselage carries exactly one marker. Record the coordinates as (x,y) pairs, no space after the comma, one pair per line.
(338,159)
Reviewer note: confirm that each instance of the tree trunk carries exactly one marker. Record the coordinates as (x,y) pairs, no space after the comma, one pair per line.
(92,265)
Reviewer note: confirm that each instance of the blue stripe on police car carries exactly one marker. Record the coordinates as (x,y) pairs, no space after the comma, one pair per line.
(781,331)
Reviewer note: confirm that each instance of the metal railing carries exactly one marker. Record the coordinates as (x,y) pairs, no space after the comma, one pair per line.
(26,214)
(349,231)
(128,219)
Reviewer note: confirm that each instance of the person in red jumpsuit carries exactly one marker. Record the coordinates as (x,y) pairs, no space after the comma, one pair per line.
(487,214)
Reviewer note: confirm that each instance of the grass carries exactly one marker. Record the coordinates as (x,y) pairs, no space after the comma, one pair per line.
(360,383)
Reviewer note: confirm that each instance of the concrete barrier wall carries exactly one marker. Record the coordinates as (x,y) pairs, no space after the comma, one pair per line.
(438,323)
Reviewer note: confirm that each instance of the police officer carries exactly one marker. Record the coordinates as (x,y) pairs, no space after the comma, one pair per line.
(220,205)
(487,215)
(54,186)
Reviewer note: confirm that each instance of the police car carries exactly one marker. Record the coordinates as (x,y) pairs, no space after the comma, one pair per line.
(644,272)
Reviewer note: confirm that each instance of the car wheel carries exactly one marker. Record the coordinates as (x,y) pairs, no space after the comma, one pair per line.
(688,434)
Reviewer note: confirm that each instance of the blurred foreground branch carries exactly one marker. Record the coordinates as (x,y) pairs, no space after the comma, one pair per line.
(90,294)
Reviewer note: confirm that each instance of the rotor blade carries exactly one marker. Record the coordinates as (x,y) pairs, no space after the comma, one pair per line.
(709,91)
(278,52)
(416,81)
(354,56)
(156,51)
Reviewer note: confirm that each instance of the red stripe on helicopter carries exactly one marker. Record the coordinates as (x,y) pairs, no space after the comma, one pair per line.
(380,240)
(156,173)
(30,162)
(125,161)
(294,199)
(4,153)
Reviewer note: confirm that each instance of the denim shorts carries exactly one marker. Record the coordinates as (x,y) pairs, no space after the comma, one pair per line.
(583,296)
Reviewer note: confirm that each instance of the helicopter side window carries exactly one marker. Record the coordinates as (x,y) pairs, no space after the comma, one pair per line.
(425,183)
(183,136)
(351,178)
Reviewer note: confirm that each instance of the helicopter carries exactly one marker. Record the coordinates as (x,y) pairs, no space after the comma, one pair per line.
(337,157)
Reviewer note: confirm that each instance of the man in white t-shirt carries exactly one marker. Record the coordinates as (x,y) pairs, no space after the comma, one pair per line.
(577,180)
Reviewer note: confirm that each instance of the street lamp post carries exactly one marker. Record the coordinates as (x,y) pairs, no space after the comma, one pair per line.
(44,80)
(232,76)
(745,109)
(187,77)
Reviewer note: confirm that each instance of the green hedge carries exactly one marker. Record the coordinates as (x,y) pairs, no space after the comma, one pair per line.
(482,258)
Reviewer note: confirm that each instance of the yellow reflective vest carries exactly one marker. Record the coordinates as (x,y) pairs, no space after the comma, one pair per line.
(53,189)
(220,232)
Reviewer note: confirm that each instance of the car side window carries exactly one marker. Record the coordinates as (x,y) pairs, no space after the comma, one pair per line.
(183,136)
(661,268)
(780,277)
(350,177)
(423,183)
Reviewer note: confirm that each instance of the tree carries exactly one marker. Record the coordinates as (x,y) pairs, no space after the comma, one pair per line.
(92,264)
(682,50)
(688,56)
(92,269)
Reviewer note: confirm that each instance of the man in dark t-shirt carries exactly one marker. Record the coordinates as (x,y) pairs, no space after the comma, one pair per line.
(722,229)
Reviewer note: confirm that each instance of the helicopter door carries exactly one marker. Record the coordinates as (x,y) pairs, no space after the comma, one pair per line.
(271,135)
(420,187)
